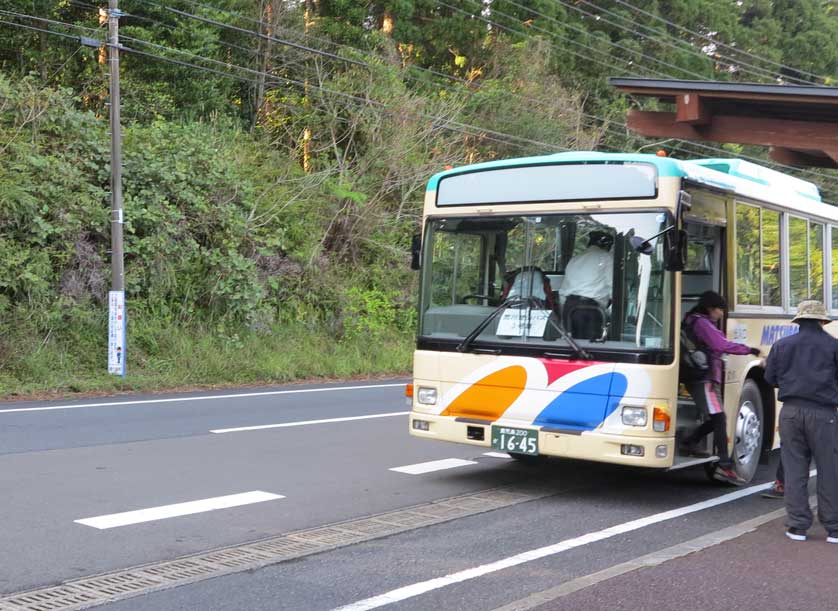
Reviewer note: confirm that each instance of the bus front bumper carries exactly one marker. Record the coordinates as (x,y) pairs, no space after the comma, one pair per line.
(657,452)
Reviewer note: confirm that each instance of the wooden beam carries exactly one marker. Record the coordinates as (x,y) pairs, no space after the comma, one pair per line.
(804,158)
(691,109)
(802,135)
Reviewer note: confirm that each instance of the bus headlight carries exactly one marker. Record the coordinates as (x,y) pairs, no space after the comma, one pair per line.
(426,395)
(634,416)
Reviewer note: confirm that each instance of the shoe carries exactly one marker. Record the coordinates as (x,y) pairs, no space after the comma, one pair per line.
(832,538)
(777,491)
(798,534)
(726,474)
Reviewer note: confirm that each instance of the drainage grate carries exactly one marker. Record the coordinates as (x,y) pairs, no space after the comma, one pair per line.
(284,547)
(52,599)
(236,557)
(117,584)
(372,526)
(327,536)
(181,570)
(443,512)
(409,518)
(99,589)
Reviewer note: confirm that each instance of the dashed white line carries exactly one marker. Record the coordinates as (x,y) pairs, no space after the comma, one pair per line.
(434,465)
(178,509)
(203,398)
(259,427)
(497,454)
(423,587)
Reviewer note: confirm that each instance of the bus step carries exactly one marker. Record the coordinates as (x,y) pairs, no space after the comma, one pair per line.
(692,462)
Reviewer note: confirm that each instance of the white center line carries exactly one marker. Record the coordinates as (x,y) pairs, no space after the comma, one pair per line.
(204,398)
(434,465)
(423,587)
(178,509)
(305,422)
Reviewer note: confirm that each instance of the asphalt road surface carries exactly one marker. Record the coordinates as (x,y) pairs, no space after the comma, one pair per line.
(95,486)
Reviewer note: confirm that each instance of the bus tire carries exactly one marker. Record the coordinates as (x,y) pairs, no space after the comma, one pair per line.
(748,431)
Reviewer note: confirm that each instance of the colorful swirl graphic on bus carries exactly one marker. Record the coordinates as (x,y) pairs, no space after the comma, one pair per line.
(574,395)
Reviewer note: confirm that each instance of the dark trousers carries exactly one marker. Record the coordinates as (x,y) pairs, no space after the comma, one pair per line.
(810,432)
(583,317)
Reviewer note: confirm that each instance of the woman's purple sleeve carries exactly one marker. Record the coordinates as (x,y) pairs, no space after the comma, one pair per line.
(708,335)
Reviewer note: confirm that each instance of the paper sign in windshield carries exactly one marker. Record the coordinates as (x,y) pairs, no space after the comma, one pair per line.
(523,322)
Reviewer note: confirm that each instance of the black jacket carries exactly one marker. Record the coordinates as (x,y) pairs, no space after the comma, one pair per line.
(804,367)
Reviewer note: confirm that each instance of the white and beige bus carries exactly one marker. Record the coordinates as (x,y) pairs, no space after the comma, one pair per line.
(507,359)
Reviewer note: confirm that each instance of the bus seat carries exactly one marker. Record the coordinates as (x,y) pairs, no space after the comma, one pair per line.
(584,320)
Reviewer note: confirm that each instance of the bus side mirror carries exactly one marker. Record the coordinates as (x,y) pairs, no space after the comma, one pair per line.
(416,252)
(675,250)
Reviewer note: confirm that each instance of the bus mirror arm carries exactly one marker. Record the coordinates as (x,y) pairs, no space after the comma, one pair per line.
(675,247)
(642,245)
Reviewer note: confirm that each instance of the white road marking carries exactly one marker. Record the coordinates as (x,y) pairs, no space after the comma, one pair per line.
(205,398)
(434,465)
(423,587)
(178,509)
(304,422)
(497,454)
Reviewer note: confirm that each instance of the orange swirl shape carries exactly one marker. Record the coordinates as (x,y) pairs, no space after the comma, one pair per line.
(489,397)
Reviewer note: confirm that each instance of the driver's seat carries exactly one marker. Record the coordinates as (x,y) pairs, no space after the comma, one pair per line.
(529,281)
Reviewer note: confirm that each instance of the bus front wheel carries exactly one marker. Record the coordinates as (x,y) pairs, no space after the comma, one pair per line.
(747,431)
(747,434)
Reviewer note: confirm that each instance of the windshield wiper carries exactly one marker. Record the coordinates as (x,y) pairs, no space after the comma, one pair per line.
(506,303)
(578,351)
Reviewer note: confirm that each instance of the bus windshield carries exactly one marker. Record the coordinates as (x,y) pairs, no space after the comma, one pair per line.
(513,282)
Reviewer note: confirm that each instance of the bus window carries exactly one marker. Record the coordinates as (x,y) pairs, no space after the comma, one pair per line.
(458,271)
(815,261)
(747,255)
(798,258)
(834,231)
(770,230)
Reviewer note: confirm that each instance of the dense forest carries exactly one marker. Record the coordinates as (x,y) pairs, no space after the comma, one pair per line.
(276,153)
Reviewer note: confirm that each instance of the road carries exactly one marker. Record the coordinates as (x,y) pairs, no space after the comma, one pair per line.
(94,487)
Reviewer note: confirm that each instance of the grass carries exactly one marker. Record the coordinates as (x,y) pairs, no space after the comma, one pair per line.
(168,356)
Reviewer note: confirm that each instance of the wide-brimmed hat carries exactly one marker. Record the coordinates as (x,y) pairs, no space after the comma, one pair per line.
(811,310)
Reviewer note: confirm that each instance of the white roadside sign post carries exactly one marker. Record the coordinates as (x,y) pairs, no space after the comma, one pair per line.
(116,333)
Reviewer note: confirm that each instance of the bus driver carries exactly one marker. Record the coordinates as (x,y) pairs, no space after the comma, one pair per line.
(586,287)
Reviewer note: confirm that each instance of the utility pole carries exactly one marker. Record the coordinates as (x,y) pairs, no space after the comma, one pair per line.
(116,299)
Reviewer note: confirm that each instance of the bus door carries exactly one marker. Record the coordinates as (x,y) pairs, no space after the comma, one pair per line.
(704,271)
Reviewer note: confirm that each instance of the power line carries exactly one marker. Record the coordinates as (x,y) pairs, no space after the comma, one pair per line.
(664,39)
(612,43)
(727,46)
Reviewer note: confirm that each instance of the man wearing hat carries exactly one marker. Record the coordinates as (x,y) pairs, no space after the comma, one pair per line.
(804,367)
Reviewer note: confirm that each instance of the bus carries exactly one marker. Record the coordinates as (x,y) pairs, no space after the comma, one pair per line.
(508,358)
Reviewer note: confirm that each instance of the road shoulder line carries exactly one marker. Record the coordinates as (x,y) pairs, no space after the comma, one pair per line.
(649,560)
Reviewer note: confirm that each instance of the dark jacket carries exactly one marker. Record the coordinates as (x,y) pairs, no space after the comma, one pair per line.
(805,367)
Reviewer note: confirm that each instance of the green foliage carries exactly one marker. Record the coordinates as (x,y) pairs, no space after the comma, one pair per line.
(241,266)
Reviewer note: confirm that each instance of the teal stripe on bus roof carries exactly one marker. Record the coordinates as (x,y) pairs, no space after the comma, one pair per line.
(665,165)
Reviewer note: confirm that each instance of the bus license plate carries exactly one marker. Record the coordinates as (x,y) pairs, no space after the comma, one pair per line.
(517,441)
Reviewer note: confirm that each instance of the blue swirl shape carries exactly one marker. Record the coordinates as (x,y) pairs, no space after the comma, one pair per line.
(584,406)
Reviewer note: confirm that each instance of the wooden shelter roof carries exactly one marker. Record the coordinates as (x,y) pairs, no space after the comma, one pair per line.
(798,123)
